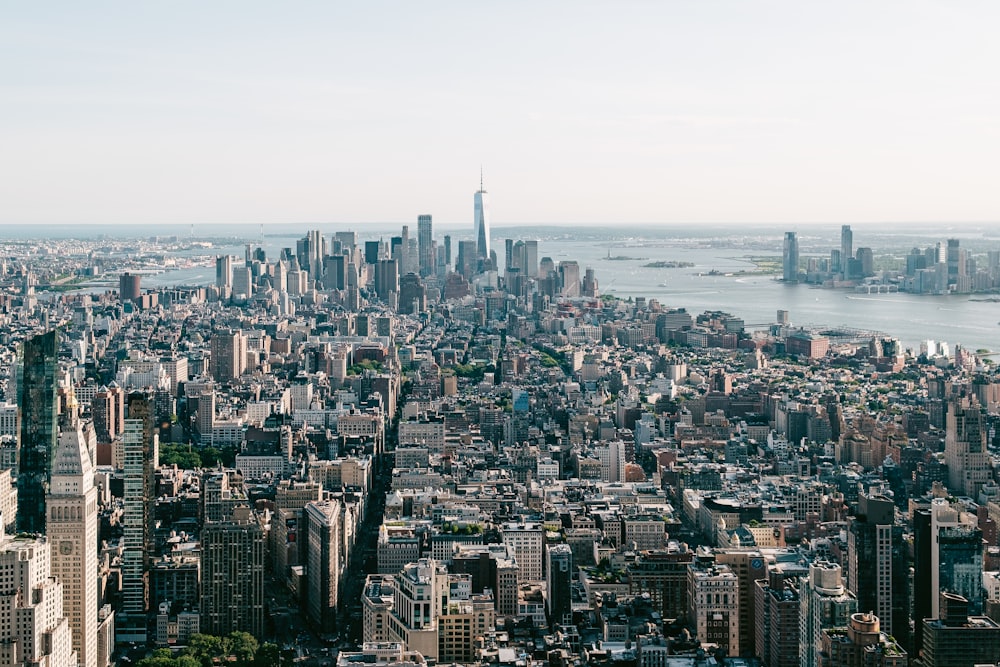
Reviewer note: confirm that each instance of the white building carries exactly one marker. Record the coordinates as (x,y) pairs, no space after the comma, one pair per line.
(33,629)
(526,541)
(71,526)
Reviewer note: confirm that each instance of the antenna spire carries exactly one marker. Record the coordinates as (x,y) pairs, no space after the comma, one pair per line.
(481,178)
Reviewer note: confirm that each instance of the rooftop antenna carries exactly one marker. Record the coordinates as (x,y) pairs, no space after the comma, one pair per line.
(481,179)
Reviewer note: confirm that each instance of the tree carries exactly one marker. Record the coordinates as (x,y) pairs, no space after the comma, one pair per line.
(243,645)
(268,655)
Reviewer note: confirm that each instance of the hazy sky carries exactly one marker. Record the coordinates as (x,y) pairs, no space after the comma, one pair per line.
(264,112)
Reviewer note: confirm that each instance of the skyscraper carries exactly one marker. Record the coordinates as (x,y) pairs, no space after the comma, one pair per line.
(232,574)
(560,582)
(224,271)
(137,441)
(425,245)
(824,603)
(869,552)
(790,258)
(322,520)
(71,526)
(39,428)
(969,462)
(129,286)
(481,225)
(229,354)
(846,249)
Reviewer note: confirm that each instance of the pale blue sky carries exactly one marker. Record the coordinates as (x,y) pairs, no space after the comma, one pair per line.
(251,112)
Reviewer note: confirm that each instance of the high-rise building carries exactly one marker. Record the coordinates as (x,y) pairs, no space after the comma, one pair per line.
(229,355)
(481,225)
(790,258)
(956,556)
(846,249)
(129,286)
(969,462)
(956,637)
(425,245)
(776,629)
(71,528)
(713,602)
(386,278)
(526,540)
(823,603)
(559,583)
(138,492)
(224,271)
(323,560)
(412,295)
(870,555)
(39,428)
(955,260)
(33,629)
(232,574)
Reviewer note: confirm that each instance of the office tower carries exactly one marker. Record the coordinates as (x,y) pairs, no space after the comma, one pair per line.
(481,225)
(955,261)
(846,249)
(232,574)
(335,272)
(531,259)
(559,583)
(590,287)
(870,556)
(417,605)
(229,355)
(526,541)
(348,241)
(323,563)
(835,261)
(824,604)
(373,252)
(713,603)
(956,556)
(71,526)
(748,566)
(242,283)
(866,262)
(108,411)
(412,295)
(129,287)
(39,428)
(138,444)
(510,259)
(386,278)
(957,637)
(790,258)
(569,277)
(776,631)
(33,629)
(224,271)
(466,262)
(425,240)
(447,250)
(969,464)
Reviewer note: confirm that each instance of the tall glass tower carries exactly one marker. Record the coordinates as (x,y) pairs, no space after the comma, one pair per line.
(482,222)
(39,428)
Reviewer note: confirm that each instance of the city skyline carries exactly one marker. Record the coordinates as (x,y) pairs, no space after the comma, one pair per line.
(645,114)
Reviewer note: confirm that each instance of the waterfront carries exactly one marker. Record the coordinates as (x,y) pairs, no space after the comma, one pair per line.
(956,319)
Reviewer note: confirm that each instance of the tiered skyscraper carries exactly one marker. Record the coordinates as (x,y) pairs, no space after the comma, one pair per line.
(72,530)
(39,428)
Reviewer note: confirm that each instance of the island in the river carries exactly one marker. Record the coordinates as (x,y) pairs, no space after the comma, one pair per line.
(668,264)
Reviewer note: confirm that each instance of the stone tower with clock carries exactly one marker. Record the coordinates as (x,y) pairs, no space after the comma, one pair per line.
(71,527)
